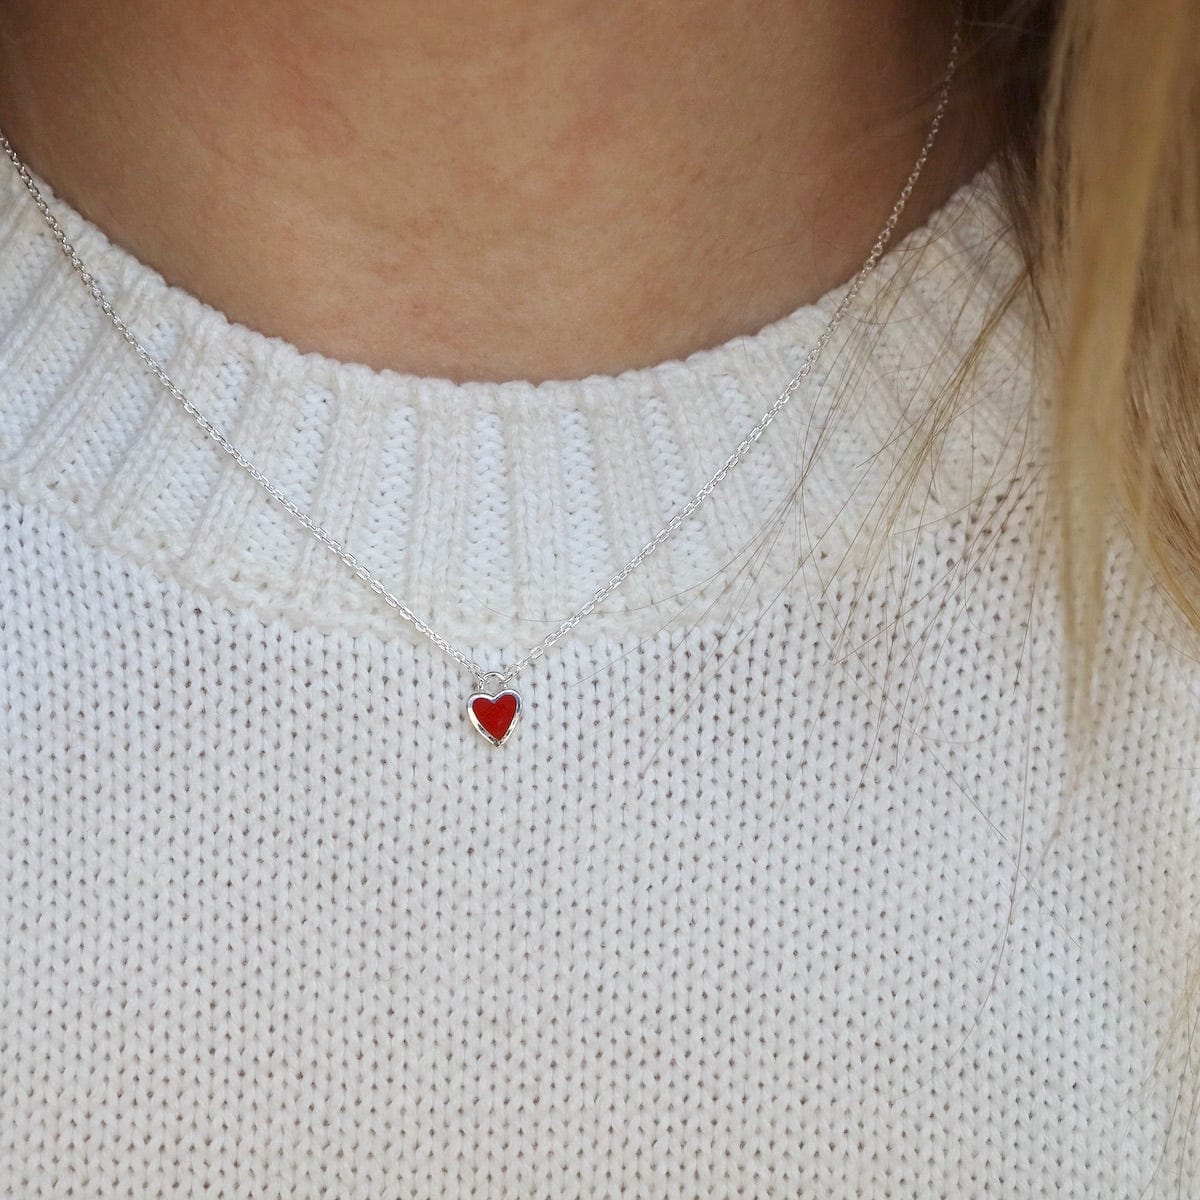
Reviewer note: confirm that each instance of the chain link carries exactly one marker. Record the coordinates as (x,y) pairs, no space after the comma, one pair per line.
(480,672)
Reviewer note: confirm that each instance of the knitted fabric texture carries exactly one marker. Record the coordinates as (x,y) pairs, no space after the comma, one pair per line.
(778,889)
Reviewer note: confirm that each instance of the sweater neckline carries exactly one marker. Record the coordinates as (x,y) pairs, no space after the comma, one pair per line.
(493,509)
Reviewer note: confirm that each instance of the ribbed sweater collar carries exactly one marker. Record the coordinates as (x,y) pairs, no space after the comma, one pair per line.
(493,509)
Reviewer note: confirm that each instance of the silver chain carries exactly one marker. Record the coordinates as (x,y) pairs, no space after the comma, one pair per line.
(480,673)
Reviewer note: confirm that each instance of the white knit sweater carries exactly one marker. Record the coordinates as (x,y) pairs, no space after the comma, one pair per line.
(775,891)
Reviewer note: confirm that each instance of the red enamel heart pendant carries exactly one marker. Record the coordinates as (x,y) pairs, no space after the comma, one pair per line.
(494,716)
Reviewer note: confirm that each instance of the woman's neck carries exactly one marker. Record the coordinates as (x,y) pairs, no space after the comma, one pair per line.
(488,191)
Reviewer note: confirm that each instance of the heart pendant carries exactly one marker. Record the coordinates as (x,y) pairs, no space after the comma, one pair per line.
(494,716)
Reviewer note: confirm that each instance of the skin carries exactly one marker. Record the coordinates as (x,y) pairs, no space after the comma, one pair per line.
(515,189)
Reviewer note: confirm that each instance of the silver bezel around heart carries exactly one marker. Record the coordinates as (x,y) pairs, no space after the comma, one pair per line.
(493,697)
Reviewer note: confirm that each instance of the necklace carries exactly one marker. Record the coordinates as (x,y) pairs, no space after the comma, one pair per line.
(493,708)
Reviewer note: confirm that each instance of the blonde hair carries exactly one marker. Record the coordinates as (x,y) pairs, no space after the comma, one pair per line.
(1098,108)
